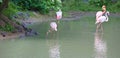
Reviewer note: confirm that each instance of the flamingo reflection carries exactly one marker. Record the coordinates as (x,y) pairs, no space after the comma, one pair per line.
(54,47)
(100,45)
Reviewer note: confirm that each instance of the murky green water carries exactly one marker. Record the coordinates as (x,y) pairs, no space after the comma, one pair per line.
(74,39)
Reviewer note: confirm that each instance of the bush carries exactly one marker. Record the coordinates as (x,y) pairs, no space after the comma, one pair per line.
(78,5)
(44,6)
(11,10)
(115,7)
(7,28)
(91,5)
(100,2)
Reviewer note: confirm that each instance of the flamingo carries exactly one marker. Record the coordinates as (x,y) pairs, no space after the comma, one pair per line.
(100,18)
(53,26)
(59,14)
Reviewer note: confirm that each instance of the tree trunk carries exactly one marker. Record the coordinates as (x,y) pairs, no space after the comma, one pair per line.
(4,5)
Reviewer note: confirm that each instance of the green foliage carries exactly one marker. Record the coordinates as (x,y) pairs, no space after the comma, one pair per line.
(112,6)
(78,5)
(7,27)
(44,6)
(11,10)
(100,2)
(91,5)
(115,7)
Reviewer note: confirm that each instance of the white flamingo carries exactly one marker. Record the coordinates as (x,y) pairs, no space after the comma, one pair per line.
(100,18)
(53,26)
(59,14)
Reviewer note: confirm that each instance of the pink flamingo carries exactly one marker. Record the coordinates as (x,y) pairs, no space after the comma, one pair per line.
(59,14)
(53,27)
(101,16)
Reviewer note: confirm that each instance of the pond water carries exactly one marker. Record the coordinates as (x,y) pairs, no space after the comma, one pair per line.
(74,39)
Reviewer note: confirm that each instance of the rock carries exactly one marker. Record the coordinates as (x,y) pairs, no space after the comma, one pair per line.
(3,34)
(14,16)
(19,29)
(24,15)
(22,36)
(30,32)
(27,15)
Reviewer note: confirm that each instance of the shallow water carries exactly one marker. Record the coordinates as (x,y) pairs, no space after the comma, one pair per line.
(74,39)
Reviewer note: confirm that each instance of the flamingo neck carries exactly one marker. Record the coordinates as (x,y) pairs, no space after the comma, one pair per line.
(106,15)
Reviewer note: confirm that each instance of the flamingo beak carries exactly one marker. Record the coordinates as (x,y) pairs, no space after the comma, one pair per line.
(108,13)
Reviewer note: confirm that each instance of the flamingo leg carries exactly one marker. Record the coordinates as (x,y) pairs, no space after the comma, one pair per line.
(101,28)
(98,26)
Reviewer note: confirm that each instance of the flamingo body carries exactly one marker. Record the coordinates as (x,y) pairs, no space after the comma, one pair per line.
(59,15)
(53,26)
(100,18)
